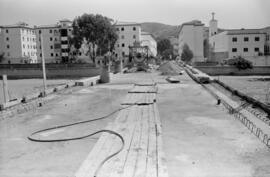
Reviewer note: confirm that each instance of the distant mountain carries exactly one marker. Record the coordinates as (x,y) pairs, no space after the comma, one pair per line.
(160,30)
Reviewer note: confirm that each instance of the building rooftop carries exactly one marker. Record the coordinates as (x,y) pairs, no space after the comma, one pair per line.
(18,25)
(127,24)
(244,31)
(193,22)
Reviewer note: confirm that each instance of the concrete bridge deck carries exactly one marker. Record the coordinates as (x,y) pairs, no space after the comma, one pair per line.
(199,138)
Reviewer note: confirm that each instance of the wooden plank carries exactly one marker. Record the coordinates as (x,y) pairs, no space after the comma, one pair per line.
(152,150)
(129,167)
(161,160)
(141,165)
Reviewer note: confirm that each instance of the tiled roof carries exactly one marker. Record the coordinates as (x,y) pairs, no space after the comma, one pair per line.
(127,23)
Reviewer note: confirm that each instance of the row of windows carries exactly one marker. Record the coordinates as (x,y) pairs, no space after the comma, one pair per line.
(123,29)
(29,46)
(29,54)
(51,31)
(123,37)
(256,49)
(246,39)
(52,54)
(28,39)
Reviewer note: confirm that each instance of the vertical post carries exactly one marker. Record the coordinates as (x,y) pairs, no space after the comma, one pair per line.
(5,88)
(43,67)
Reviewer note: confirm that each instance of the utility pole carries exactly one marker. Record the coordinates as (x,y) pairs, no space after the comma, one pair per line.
(43,67)
(5,88)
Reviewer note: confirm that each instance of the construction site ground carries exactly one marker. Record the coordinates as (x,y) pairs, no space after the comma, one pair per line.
(200,138)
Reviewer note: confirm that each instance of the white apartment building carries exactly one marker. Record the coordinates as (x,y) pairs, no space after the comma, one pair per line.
(18,43)
(148,40)
(251,44)
(128,33)
(191,33)
(54,41)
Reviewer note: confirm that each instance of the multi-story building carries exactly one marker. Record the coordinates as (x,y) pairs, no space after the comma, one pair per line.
(128,34)
(148,40)
(191,33)
(252,44)
(53,40)
(18,43)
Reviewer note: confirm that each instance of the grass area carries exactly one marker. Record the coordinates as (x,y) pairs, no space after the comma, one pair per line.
(255,86)
(21,87)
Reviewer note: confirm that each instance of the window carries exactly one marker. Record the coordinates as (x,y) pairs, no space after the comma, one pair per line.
(256,49)
(234,49)
(122,29)
(51,39)
(51,54)
(118,45)
(7,39)
(55,39)
(246,39)
(123,45)
(267,37)
(123,53)
(50,31)
(134,36)
(257,38)
(7,31)
(39,31)
(8,46)
(134,28)
(123,37)
(28,46)
(117,29)
(40,47)
(245,49)
(234,39)
(40,55)
(51,47)
(23,46)
(56,54)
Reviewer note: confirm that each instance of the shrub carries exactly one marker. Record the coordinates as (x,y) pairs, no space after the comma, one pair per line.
(240,63)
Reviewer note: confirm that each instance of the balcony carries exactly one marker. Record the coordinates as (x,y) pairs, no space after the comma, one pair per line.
(64,38)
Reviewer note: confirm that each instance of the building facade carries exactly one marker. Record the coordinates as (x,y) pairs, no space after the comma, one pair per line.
(191,33)
(148,40)
(53,41)
(128,34)
(18,44)
(251,44)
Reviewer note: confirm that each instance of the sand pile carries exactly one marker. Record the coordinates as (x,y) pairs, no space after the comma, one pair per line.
(170,68)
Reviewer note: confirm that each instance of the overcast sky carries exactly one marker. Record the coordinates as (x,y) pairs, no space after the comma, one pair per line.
(229,13)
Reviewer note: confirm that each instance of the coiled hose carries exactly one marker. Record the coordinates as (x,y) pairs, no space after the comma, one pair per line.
(31,138)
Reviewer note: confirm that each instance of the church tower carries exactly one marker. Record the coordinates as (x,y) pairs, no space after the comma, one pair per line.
(213,29)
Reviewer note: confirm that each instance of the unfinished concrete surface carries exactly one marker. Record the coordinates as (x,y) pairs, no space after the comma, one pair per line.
(200,139)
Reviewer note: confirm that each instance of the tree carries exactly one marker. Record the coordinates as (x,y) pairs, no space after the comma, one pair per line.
(206,48)
(187,54)
(163,45)
(165,48)
(96,31)
(240,63)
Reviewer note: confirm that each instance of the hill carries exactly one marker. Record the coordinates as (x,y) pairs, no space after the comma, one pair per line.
(160,30)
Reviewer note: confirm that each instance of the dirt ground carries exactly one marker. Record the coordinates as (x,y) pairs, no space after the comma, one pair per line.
(19,88)
(254,86)
(202,140)
(20,157)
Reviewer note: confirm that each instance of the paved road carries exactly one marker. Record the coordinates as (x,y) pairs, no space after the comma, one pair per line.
(200,138)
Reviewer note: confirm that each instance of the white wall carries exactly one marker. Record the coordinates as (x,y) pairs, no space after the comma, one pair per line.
(193,37)
(219,42)
(148,40)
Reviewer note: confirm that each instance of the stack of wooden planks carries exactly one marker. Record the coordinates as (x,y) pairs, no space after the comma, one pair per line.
(142,154)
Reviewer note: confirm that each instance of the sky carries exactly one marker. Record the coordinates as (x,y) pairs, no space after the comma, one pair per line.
(229,13)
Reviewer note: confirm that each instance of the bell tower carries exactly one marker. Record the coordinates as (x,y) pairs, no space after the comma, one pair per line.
(213,28)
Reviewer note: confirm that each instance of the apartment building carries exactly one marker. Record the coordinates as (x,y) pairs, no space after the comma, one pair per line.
(53,40)
(128,34)
(147,39)
(191,33)
(252,44)
(18,43)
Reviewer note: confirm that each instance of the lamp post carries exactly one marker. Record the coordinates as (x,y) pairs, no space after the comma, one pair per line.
(43,68)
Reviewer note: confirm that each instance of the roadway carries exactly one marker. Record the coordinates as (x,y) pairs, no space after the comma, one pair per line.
(199,138)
